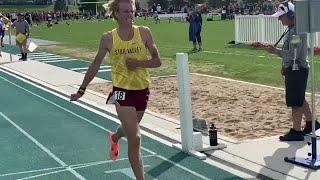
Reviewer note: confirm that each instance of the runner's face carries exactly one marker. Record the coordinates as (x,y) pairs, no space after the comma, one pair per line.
(125,14)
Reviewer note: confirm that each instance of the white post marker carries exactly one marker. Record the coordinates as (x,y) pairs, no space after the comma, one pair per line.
(191,142)
(184,101)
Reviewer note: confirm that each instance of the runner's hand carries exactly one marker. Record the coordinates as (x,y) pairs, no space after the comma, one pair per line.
(132,64)
(75,96)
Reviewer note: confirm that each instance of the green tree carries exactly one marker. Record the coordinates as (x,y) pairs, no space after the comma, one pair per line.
(60,6)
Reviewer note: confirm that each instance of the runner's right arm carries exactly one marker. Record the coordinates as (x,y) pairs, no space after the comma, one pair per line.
(105,46)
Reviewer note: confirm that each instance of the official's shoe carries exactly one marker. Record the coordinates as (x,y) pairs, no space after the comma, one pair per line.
(308,128)
(292,135)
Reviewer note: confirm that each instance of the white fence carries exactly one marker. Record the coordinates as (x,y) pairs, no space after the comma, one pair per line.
(260,28)
(178,16)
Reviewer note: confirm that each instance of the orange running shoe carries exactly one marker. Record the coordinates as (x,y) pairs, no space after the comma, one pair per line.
(114,148)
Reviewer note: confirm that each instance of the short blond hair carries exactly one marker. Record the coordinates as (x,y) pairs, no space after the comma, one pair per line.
(113,6)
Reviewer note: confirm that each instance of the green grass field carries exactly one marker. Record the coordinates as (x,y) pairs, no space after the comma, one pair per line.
(81,40)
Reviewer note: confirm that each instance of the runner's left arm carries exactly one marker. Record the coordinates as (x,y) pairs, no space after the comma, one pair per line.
(155,61)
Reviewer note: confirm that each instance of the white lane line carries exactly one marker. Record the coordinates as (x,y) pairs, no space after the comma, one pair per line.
(51,55)
(45,174)
(127,171)
(31,171)
(46,150)
(184,168)
(101,70)
(39,53)
(41,56)
(80,166)
(49,58)
(63,60)
(90,122)
(82,68)
(104,70)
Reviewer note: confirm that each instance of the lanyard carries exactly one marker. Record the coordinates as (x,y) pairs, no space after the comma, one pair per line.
(286,31)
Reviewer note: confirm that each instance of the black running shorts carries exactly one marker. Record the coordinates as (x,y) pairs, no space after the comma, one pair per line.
(296,84)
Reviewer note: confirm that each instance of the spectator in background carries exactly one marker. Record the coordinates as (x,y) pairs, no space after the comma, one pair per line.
(158,8)
(170,9)
(49,21)
(156,17)
(28,18)
(13,17)
(154,7)
(145,13)
(195,25)
(223,13)
(198,22)
(3,21)
(22,31)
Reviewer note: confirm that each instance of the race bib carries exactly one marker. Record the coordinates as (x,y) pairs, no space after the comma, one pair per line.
(119,95)
(116,95)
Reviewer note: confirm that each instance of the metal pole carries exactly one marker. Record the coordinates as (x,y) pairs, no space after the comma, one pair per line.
(313,98)
(10,40)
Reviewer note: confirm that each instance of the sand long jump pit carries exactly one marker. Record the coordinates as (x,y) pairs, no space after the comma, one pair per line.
(240,110)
